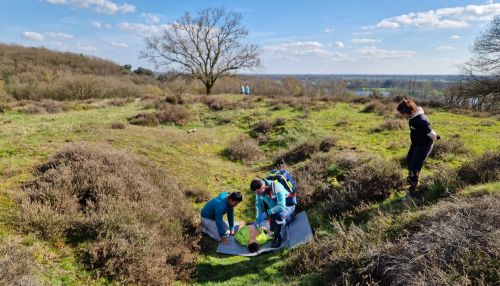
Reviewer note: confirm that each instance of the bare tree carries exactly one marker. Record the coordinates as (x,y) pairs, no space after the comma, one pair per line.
(487,49)
(207,47)
(479,83)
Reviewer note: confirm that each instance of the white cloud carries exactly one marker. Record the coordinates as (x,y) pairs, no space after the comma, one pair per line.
(62,36)
(379,54)
(455,17)
(364,41)
(100,25)
(295,50)
(329,30)
(119,45)
(339,45)
(363,33)
(150,18)
(142,29)
(33,36)
(455,37)
(444,48)
(103,6)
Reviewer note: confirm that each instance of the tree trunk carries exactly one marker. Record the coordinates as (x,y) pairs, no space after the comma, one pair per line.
(208,88)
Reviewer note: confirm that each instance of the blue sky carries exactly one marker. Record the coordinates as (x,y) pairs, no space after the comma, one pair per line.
(294,37)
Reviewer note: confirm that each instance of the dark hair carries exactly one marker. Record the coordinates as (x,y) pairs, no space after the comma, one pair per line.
(236,197)
(256,184)
(407,106)
(253,247)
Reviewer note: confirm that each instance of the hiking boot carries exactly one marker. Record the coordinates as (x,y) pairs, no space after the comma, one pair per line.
(276,242)
(408,199)
(277,239)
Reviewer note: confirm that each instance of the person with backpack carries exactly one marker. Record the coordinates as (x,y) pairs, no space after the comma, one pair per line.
(275,200)
(422,140)
(212,213)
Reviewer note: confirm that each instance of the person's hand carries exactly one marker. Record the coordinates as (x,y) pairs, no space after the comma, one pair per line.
(225,240)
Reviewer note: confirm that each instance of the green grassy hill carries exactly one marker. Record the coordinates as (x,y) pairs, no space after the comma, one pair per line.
(199,161)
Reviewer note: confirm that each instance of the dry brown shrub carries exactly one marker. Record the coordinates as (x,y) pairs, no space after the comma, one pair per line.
(483,169)
(74,87)
(311,179)
(374,180)
(169,113)
(117,125)
(17,264)
(244,149)
(136,222)
(343,122)
(262,127)
(376,107)
(444,147)
(297,154)
(454,242)
(390,124)
(457,243)
(218,103)
(279,122)
(326,144)
(42,107)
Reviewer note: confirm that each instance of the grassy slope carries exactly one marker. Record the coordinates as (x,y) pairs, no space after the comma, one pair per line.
(195,158)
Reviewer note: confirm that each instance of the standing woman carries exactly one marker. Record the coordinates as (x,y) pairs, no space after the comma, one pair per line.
(422,139)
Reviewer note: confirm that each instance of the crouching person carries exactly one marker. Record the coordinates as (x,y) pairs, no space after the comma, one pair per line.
(212,222)
(271,203)
(252,236)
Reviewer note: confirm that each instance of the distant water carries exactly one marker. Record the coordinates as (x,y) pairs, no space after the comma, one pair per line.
(369,92)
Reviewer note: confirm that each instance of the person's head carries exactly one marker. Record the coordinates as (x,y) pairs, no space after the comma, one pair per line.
(234,198)
(258,186)
(407,107)
(253,247)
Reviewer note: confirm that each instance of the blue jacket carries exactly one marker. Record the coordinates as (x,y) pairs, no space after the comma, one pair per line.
(215,210)
(276,202)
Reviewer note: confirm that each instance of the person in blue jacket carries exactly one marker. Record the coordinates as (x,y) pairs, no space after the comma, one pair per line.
(270,202)
(422,140)
(212,213)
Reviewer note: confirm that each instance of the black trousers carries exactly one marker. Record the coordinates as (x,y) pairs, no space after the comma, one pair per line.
(416,157)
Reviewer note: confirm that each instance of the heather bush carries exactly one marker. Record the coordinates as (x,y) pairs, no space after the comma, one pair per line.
(311,179)
(17,264)
(244,149)
(376,107)
(390,124)
(482,169)
(326,144)
(117,125)
(135,219)
(41,107)
(169,113)
(297,154)
(374,180)
(454,242)
(218,103)
(444,147)
(262,127)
